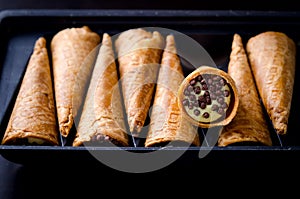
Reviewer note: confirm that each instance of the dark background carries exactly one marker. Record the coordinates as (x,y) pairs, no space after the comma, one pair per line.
(287,5)
(17,181)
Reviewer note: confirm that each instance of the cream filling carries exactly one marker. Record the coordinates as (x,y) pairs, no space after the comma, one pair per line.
(213,115)
(32,140)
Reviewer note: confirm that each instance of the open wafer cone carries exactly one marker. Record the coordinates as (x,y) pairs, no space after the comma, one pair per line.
(33,120)
(72,67)
(208,97)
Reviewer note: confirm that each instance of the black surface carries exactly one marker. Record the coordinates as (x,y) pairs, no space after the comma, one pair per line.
(288,5)
(93,181)
(237,169)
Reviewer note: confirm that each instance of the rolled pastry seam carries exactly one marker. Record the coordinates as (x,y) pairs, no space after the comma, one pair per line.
(139,56)
(72,57)
(208,97)
(166,121)
(249,125)
(102,118)
(272,57)
(33,120)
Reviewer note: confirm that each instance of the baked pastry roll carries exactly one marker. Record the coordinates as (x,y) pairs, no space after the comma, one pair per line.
(208,97)
(139,54)
(166,121)
(272,57)
(33,120)
(72,59)
(102,118)
(249,125)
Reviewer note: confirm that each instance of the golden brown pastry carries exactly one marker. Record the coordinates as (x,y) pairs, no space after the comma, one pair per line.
(102,118)
(139,54)
(208,97)
(166,122)
(33,120)
(72,58)
(272,57)
(249,124)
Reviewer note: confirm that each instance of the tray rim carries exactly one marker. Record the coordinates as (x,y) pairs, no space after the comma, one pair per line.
(143,13)
(141,149)
(71,13)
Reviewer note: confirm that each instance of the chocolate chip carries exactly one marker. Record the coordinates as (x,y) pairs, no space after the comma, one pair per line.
(213,96)
(197,90)
(218,93)
(203,105)
(206,115)
(209,81)
(206,93)
(216,78)
(193,82)
(224,106)
(190,88)
(185,102)
(223,82)
(226,93)
(212,88)
(199,78)
(196,112)
(220,111)
(201,98)
(214,107)
(186,92)
(204,86)
(203,81)
(220,100)
(208,100)
(192,97)
(218,86)
(100,137)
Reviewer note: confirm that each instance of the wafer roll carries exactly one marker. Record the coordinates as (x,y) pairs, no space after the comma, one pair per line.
(72,59)
(33,120)
(166,122)
(102,118)
(208,97)
(249,125)
(272,57)
(139,55)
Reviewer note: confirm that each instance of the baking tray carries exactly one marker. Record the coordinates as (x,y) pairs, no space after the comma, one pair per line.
(213,29)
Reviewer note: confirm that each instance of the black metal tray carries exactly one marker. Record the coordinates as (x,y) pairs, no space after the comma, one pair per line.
(213,29)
